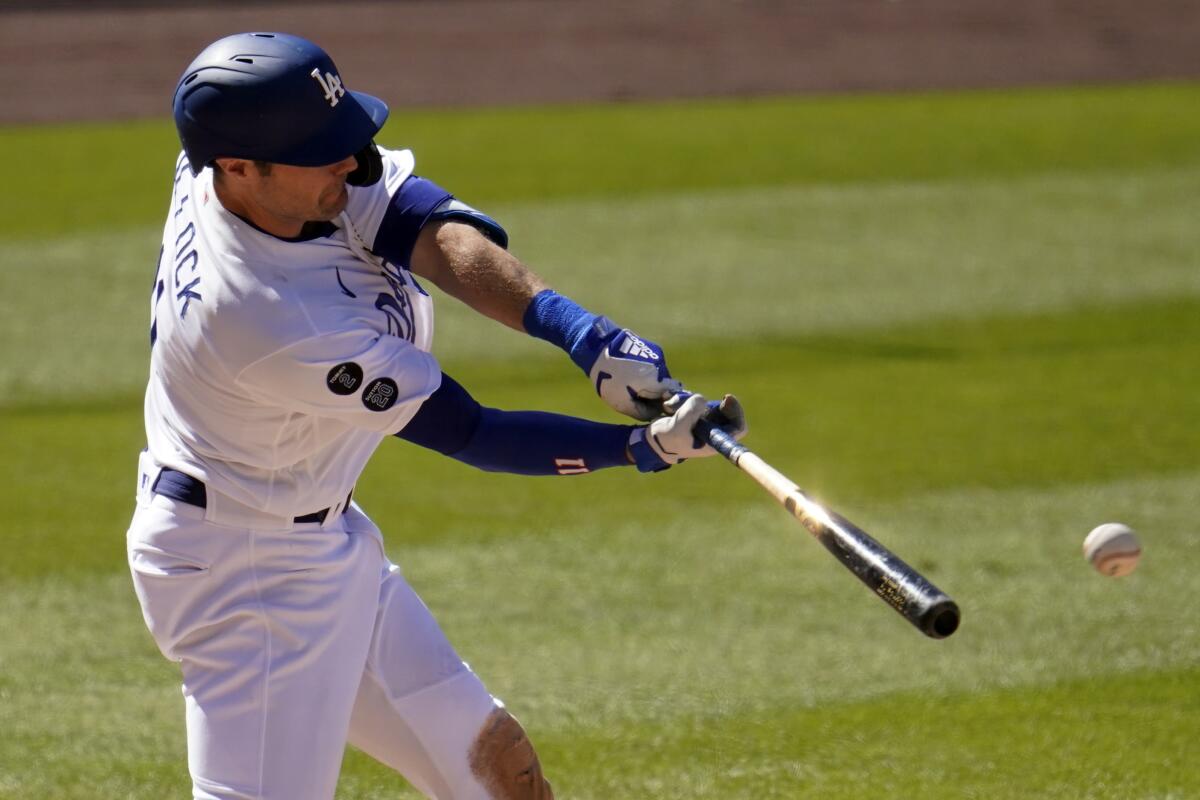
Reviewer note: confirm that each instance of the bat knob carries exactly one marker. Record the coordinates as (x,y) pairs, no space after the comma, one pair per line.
(941,619)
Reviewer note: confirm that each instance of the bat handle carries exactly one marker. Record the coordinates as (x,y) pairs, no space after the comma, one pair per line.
(771,479)
(720,441)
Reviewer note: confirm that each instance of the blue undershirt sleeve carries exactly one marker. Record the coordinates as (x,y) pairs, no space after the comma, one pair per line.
(446,421)
(415,204)
(451,422)
(410,208)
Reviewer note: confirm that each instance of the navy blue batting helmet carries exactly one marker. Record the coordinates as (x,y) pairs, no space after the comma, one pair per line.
(272,97)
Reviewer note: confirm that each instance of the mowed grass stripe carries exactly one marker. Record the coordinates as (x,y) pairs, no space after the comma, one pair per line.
(720,654)
(1095,394)
(1114,738)
(721,610)
(799,260)
(669,596)
(783,262)
(107,175)
(1100,739)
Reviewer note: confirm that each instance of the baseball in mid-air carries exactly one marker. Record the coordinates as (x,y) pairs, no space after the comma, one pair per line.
(1113,549)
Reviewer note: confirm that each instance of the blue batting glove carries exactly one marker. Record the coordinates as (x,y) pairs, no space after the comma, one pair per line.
(628,372)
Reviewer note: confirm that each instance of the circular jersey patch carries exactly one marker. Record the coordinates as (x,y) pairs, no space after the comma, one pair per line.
(344,378)
(380,394)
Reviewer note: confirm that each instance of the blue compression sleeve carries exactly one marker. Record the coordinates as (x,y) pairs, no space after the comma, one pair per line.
(446,421)
(540,443)
(451,422)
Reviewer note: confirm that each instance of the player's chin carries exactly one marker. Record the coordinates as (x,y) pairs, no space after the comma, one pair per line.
(333,203)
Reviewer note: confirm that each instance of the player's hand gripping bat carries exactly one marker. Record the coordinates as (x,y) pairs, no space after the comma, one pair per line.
(898,584)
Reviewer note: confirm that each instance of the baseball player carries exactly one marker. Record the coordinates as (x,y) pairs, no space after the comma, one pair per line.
(290,336)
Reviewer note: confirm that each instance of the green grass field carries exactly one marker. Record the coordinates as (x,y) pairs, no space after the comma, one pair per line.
(968,321)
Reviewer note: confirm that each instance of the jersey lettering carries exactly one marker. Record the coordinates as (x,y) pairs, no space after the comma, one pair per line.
(331,84)
(395,305)
(185,250)
(187,296)
(187,259)
(182,167)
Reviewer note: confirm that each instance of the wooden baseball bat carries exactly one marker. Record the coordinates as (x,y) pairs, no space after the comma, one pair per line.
(896,583)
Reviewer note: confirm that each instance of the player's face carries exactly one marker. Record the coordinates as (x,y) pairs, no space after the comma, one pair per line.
(305,194)
(283,198)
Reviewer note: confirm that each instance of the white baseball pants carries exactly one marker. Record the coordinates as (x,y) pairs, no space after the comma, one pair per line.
(293,642)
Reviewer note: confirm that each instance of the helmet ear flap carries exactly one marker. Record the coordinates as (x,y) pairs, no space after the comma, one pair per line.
(370,166)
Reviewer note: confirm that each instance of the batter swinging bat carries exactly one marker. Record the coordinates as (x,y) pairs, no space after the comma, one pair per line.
(898,584)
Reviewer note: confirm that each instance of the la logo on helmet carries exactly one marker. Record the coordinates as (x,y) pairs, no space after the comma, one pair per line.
(331,84)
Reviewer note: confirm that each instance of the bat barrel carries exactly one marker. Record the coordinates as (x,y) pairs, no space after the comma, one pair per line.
(908,592)
(912,596)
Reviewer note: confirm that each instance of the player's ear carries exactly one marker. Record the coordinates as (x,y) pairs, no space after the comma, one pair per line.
(235,167)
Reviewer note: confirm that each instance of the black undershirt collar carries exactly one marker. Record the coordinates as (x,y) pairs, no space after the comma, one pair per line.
(313,229)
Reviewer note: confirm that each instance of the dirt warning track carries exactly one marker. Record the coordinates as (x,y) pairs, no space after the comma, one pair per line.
(100,60)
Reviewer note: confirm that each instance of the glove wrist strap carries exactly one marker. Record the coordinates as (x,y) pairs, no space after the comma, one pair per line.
(643,454)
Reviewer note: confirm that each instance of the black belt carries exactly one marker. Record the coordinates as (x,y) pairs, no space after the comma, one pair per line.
(183,487)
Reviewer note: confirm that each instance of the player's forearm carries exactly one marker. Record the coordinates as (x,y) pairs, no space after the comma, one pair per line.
(542,443)
(451,422)
(628,372)
(467,266)
(568,325)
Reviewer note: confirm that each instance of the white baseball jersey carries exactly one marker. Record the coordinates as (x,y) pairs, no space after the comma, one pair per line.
(279,366)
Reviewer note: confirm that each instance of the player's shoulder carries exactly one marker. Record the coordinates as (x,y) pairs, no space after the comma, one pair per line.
(398,166)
